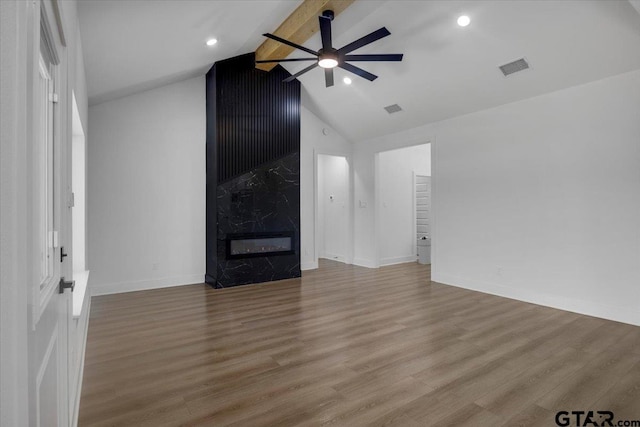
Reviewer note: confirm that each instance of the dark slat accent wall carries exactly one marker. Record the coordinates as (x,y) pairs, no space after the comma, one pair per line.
(253,167)
(257,116)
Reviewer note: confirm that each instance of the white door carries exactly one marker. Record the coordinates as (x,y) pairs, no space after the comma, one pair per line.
(50,309)
(423,206)
(33,349)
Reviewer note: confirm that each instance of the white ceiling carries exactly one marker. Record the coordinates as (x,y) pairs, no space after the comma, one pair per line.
(133,45)
(447,70)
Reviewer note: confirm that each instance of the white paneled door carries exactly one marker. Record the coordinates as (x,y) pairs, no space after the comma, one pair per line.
(423,206)
(35,216)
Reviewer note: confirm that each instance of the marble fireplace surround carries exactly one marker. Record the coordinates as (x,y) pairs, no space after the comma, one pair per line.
(265,200)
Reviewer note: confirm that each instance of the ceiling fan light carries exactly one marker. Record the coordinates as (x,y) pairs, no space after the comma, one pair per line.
(328,62)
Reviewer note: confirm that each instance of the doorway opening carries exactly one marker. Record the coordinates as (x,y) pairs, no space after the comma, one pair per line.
(403,216)
(333,210)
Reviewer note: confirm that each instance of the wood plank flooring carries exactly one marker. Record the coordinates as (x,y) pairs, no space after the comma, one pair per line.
(350,346)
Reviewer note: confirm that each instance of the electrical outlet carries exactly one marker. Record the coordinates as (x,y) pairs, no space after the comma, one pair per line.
(499,271)
(154,266)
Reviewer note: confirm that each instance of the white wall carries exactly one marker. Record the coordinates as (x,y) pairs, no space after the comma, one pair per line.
(539,200)
(396,193)
(333,207)
(146,190)
(313,141)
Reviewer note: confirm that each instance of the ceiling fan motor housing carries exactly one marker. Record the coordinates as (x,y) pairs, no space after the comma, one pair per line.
(329,14)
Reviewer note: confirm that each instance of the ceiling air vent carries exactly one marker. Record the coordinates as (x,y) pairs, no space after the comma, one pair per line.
(514,67)
(393,108)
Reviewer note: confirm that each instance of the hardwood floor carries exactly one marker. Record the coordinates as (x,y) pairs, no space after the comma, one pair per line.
(350,346)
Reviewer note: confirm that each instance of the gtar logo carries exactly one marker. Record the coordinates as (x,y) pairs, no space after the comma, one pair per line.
(584,418)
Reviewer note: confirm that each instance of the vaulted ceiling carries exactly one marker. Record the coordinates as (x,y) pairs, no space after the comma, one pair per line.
(447,70)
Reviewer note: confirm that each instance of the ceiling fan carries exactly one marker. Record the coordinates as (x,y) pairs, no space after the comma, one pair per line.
(329,57)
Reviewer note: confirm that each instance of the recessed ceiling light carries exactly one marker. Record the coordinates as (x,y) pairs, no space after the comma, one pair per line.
(347,80)
(464,20)
(211,42)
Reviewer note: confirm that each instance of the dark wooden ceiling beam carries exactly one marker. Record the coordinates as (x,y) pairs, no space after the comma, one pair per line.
(298,28)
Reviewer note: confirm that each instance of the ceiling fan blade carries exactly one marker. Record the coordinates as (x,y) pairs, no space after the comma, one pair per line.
(363,41)
(287,42)
(286,60)
(382,57)
(328,76)
(325,32)
(299,73)
(359,71)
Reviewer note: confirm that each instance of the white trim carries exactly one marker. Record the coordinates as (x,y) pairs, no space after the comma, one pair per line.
(398,260)
(57,11)
(75,411)
(377,231)
(309,265)
(414,208)
(334,257)
(573,304)
(44,290)
(362,262)
(142,285)
(434,205)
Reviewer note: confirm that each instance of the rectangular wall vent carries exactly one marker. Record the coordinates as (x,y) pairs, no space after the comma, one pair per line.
(393,108)
(514,67)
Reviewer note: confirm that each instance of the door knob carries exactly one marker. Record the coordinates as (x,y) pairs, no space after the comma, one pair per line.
(71,284)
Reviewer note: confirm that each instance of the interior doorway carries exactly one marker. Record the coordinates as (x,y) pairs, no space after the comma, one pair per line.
(396,202)
(333,210)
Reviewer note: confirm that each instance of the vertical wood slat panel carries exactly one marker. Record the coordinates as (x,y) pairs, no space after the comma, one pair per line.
(258,116)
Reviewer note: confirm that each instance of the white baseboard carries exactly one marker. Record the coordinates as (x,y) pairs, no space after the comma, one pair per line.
(398,260)
(141,285)
(334,257)
(619,314)
(310,265)
(85,329)
(362,262)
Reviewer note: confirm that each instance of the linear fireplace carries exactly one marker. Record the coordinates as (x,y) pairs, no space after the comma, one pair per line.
(251,245)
